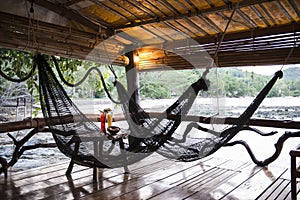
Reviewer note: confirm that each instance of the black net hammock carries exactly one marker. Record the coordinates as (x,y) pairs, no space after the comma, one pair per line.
(76,136)
(83,141)
(188,145)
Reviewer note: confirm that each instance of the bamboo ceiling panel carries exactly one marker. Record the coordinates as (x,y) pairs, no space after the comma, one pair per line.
(77,28)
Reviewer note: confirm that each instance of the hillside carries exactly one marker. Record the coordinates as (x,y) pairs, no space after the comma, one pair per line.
(292,73)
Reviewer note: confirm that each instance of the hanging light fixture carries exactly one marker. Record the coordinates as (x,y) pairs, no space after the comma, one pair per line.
(136,58)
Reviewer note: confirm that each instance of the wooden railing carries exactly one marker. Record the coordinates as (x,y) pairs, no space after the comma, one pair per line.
(40,122)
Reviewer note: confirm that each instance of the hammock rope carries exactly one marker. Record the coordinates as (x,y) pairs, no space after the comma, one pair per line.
(84,78)
(221,40)
(26,77)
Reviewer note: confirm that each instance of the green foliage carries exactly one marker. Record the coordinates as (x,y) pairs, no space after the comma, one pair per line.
(232,81)
(154,90)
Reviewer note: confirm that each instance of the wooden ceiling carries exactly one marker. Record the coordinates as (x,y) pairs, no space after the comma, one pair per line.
(164,32)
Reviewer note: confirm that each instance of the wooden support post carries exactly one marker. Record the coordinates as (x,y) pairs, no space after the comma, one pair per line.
(132,87)
(132,76)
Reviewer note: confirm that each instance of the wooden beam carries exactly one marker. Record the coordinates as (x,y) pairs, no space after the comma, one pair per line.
(41,123)
(72,2)
(52,39)
(71,15)
(132,76)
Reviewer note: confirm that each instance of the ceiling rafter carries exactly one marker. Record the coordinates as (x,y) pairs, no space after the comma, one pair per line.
(193,24)
(192,5)
(294,7)
(284,10)
(192,14)
(71,2)
(111,10)
(143,8)
(260,15)
(176,28)
(126,10)
(246,18)
(267,13)
(170,7)
(160,30)
(156,35)
(209,21)
(71,15)
(156,8)
(185,30)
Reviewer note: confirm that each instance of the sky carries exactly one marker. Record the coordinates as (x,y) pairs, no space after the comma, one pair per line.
(267,70)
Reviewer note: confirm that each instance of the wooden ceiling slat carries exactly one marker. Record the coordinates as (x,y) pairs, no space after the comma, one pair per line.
(238,23)
(151,32)
(174,7)
(210,10)
(181,28)
(162,7)
(211,23)
(138,6)
(284,10)
(192,5)
(142,7)
(159,12)
(194,25)
(260,15)
(111,10)
(203,24)
(158,31)
(276,13)
(124,8)
(294,6)
(185,6)
(71,2)
(188,25)
(246,18)
(269,17)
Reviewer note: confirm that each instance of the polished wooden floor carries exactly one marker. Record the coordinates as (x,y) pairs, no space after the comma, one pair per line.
(152,178)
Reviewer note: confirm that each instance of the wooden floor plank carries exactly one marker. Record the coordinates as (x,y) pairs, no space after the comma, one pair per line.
(230,185)
(135,187)
(256,184)
(104,183)
(56,186)
(181,185)
(46,176)
(36,171)
(226,172)
(152,178)
(275,194)
(268,192)
(134,184)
